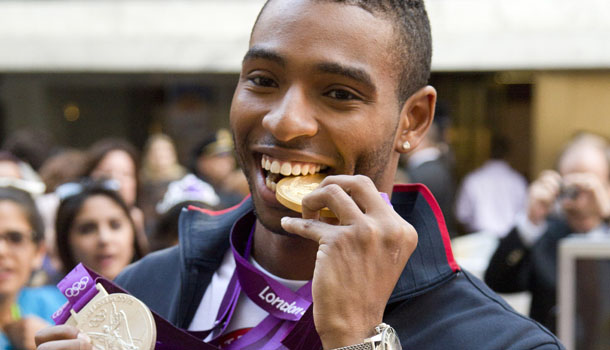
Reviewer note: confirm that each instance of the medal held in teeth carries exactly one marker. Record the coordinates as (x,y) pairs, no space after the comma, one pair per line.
(291,190)
(116,322)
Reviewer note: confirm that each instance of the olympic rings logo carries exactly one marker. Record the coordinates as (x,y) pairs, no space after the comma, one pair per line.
(58,312)
(77,287)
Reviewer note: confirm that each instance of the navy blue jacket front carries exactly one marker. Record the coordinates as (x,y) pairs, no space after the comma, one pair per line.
(435,304)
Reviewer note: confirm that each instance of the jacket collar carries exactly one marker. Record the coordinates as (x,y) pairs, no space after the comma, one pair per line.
(204,239)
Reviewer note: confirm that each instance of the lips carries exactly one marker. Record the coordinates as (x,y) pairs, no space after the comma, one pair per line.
(276,169)
(5,273)
(105,260)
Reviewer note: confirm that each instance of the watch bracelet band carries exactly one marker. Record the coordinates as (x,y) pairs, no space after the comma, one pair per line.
(368,344)
(361,346)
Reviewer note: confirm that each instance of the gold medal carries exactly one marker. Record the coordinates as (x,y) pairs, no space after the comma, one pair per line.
(117,322)
(291,190)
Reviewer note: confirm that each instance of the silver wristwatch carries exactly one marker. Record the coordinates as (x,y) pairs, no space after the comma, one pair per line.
(385,339)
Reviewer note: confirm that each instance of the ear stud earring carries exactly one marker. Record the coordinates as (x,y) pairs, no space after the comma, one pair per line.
(406,145)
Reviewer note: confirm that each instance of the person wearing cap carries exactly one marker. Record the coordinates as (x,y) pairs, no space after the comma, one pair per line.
(180,194)
(214,162)
(337,88)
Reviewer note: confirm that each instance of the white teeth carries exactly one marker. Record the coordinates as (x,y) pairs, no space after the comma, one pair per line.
(286,169)
(289,168)
(275,167)
(296,169)
(270,184)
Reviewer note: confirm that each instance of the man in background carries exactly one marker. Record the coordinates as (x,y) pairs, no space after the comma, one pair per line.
(575,199)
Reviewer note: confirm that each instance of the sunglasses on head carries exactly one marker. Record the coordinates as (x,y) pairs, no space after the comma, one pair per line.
(71,189)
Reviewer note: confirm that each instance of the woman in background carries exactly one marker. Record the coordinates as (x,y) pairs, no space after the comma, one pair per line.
(117,159)
(160,167)
(23,310)
(94,226)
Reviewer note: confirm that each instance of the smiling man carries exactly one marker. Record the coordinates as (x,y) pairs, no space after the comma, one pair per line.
(338,88)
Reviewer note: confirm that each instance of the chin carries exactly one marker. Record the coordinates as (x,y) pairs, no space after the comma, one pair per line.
(8,291)
(272,222)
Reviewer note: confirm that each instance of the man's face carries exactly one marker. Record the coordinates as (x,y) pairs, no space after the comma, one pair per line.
(317,91)
(587,165)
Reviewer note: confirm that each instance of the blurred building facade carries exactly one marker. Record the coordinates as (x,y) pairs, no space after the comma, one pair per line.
(535,70)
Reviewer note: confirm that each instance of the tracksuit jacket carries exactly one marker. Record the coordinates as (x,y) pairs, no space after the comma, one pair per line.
(435,304)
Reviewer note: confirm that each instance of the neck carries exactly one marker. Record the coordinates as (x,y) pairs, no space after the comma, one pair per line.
(6,302)
(286,256)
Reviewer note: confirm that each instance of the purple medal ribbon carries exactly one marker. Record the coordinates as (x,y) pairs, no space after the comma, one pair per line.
(78,287)
(289,324)
(284,306)
(270,295)
(168,336)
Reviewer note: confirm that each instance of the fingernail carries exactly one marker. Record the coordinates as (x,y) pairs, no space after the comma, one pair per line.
(84,337)
(285,219)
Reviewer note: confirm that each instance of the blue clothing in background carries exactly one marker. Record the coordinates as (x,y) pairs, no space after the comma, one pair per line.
(41,302)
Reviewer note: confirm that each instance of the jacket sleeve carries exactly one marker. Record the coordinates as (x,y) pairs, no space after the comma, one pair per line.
(509,268)
(464,313)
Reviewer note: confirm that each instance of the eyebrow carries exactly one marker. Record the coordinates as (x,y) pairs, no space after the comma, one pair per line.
(356,74)
(261,53)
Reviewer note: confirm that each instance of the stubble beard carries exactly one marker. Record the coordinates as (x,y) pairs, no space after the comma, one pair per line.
(372,164)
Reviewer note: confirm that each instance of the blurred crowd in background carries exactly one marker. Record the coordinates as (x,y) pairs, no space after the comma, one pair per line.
(105,206)
(111,203)
(111,124)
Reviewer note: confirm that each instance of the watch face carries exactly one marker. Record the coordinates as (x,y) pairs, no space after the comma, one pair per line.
(389,340)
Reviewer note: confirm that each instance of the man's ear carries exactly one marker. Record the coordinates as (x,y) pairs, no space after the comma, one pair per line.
(416,117)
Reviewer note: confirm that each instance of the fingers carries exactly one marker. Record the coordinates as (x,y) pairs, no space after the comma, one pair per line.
(56,333)
(335,198)
(62,337)
(542,194)
(307,228)
(546,188)
(347,196)
(72,344)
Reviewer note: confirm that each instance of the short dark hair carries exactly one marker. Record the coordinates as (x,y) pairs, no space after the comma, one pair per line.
(70,206)
(413,53)
(25,201)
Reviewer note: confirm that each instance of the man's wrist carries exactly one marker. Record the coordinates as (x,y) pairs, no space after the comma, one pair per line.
(338,342)
(528,231)
(337,339)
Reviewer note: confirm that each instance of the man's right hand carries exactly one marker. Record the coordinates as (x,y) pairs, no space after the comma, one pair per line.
(62,338)
(542,194)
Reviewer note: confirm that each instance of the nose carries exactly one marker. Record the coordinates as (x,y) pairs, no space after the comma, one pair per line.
(104,235)
(293,117)
(4,248)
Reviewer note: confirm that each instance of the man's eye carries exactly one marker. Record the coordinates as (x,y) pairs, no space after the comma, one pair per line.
(342,95)
(263,81)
